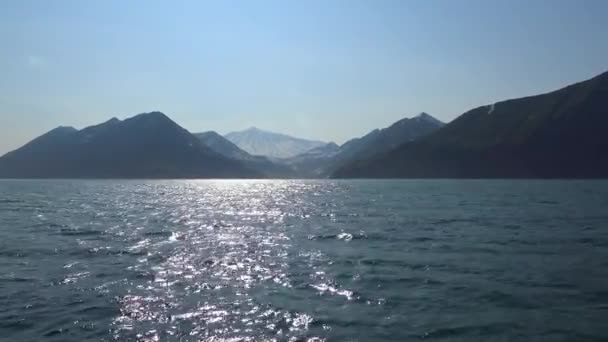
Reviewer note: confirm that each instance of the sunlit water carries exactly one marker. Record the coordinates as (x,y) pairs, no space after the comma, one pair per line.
(303,260)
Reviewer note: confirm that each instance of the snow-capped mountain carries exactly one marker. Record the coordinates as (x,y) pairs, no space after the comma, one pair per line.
(275,145)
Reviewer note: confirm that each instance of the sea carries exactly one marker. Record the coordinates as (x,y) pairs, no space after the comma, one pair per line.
(303,260)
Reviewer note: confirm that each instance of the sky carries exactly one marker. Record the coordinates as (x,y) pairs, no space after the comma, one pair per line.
(320,69)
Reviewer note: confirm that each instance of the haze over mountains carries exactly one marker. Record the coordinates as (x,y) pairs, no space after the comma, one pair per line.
(260,164)
(558,134)
(275,145)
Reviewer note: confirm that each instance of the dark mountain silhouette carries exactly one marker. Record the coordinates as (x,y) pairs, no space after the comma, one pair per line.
(261,164)
(561,134)
(222,145)
(316,164)
(145,146)
(384,140)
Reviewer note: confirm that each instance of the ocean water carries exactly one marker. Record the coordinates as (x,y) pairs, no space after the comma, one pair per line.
(439,260)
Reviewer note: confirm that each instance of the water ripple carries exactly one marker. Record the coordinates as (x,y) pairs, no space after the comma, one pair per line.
(302,260)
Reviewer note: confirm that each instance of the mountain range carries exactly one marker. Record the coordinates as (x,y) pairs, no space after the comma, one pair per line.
(560,134)
(261,164)
(145,146)
(325,160)
(274,145)
(554,135)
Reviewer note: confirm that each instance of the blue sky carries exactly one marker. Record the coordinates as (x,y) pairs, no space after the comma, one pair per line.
(323,69)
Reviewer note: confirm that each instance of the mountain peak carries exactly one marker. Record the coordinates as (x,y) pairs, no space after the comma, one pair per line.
(149,145)
(213,134)
(222,145)
(429,118)
(265,143)
(254,129)
(152,115)
(559,134)
(63,129)
(152,118)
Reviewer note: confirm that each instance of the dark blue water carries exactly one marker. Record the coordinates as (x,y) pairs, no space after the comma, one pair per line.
(303,260)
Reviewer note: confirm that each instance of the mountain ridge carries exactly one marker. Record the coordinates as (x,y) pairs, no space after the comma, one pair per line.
(552,135)
(558,134)
(270,144)
(148,145)
(376,141)
(261,164)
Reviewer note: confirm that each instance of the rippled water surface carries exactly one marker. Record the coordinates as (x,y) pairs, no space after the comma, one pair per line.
(303,260)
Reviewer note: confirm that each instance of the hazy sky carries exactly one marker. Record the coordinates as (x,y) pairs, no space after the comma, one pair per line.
(325,69)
